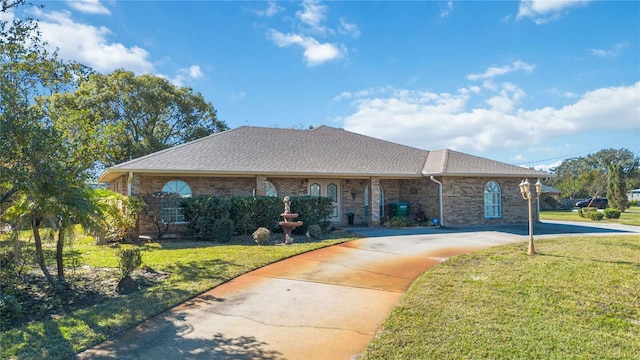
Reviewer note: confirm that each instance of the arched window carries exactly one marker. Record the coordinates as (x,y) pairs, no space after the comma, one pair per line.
(171,209)
(492,200)
(270,189)
(314,189)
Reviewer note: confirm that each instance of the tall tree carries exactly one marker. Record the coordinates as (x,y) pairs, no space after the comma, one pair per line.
(131,116)
(42,171)
(616,188)
(587,176)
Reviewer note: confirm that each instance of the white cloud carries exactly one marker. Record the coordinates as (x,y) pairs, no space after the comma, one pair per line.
(271,10)
(89,6)
(544,11)
(309,26)
(495,71)
(313,14)
(614,51)
(238,96)
(442,120)
(195,72)
(315,53)
(89,45)
(447,9)
(348,28)
(184,75)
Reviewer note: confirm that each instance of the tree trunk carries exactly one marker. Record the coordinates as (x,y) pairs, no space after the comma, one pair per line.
(39,254)
(59,249)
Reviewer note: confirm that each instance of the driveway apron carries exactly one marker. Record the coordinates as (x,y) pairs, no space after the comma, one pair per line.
(325,304)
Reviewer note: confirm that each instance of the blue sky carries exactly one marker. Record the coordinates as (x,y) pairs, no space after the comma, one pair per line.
(530,82)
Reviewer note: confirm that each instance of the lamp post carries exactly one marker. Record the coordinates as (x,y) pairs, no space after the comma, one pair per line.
(525,190)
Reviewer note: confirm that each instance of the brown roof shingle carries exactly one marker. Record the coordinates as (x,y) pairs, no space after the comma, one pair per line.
(323,151)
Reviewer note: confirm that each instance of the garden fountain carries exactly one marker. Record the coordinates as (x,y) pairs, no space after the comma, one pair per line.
(287,224)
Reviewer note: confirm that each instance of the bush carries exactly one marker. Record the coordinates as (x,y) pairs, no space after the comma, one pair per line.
(223,230)
(202,213)
(612,213)
(261,236)
(312,210)
(586,212)
(400,222)
(120,216)
(10,308)
(552,202)
(315,231)
(128,260)
(596,215)
(153,212)
(633,203)
(251,212)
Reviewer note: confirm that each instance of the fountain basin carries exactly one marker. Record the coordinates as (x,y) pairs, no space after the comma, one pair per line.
(290,224)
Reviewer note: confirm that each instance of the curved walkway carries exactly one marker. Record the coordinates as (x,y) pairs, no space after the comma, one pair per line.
(325,304)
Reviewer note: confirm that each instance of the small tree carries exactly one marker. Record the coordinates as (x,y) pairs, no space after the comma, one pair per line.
(616,187)
(157,210)
(128,260)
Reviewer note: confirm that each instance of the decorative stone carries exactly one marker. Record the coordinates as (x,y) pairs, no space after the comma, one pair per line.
(127,286)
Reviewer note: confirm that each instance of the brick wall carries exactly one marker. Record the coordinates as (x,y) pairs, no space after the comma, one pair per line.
(463,197)
(464,201)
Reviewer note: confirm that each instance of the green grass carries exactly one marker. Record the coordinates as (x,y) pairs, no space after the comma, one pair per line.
(630,216)
(194,267)
(578,299)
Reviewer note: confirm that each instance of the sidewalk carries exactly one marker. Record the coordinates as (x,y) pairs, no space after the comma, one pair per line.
(325,304)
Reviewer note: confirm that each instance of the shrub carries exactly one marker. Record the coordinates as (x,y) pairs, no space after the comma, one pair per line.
(152,211)
(251,212)
(120,216)
(612,213)
(552,202)
(312,210)
(128,260)
(397,221)
(223,230)
(315,231)
(202,213)
(261,236)
(586,212)
(633,203)
(596,215)
(10,308)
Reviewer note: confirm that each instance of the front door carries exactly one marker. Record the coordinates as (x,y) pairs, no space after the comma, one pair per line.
(328,188)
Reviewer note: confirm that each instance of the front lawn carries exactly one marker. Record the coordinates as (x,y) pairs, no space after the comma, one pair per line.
(579,298)
(630,216)
(172,272)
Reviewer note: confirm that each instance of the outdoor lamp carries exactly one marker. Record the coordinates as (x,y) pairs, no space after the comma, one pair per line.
(525,190)
(538,186)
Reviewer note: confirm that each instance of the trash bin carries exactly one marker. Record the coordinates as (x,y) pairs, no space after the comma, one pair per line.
(399,209)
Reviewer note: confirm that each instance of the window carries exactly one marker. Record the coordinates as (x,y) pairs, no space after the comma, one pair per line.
(270,189)
(492,200)
(314,190)
(171,209)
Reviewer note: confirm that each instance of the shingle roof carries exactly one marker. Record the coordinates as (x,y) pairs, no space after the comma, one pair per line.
(323,151)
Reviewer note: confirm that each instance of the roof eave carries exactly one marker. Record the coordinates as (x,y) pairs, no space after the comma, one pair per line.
(113,173)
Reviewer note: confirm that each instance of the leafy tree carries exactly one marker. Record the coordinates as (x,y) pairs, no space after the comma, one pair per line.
(131,116)
(587,176)
(41,173)
(616,190)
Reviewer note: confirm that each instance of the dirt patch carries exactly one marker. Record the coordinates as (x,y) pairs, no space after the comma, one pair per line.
(86,286)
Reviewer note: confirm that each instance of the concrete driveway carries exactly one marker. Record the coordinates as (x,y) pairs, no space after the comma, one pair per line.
(325,304)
